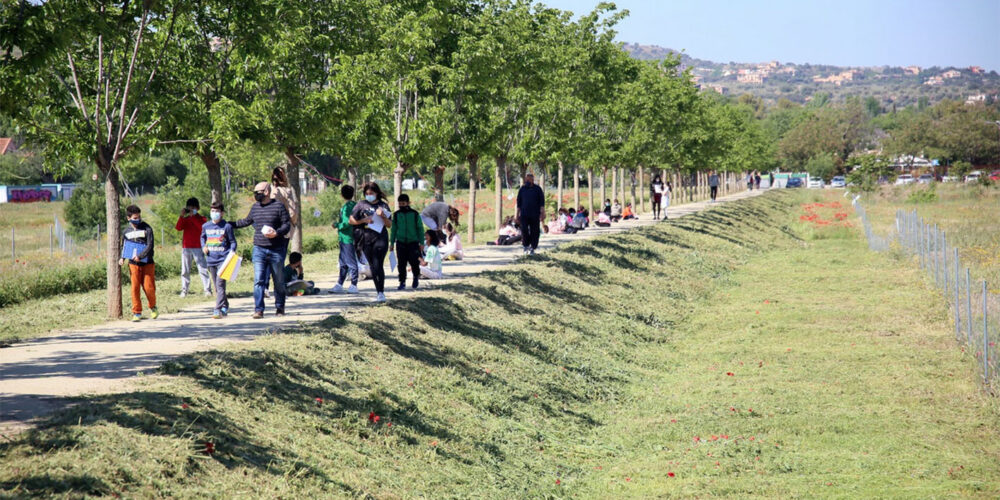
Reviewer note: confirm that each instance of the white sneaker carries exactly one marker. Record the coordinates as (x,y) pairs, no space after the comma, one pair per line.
(352,289)
(380,297)
(338,288)
(184,294)
(208,293)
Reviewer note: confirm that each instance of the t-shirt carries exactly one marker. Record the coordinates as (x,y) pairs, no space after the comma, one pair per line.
(219,239)
(345,231)
(437,212)
(603,218)
(191,225)
(364,209)
(530,199)
(433,258)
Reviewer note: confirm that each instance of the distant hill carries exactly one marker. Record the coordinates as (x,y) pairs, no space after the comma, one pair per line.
(892,86)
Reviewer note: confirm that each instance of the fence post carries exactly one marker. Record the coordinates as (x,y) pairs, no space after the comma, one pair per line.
(13,251)
(968,306)
(958,304)
(986,339)
(51,237)
(162,241)
(98,240)
(944,264)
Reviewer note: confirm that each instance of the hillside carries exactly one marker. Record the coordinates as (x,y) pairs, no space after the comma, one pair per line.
(892,86)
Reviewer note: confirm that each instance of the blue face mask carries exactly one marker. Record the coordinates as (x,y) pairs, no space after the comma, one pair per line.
(216,216)
(370,198)
(194,211)
(135,222)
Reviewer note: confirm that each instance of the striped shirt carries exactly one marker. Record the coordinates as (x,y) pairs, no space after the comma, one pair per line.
(273,214)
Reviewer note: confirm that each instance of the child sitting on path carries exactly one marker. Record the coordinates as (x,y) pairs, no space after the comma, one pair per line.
(627,214)
(430,264)
(294,274)
(451,247)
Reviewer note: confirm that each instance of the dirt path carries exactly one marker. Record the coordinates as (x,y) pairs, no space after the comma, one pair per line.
(37,376)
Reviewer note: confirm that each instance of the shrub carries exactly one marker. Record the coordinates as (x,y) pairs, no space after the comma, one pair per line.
(927,195)
(172,197)
(85,209)
(315,244)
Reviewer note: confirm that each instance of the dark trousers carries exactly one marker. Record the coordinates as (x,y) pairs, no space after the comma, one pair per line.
(529,232)
(408,253)
(715,191)
(375,251)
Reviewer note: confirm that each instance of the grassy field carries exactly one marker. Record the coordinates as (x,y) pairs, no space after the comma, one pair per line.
(741,352)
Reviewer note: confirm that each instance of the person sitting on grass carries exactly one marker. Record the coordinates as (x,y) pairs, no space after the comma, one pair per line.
(451,247)
(509,233)
(580,220)
(294,274)
(218,241)
(603,220)
(616,212)
(627,214)
(430,263)
(556,225)
(137,251)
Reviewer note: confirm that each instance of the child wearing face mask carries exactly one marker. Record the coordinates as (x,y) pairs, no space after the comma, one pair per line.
(137,251)
(218,240)
(190,222)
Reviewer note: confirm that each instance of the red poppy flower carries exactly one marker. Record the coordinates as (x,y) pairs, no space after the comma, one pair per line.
(673,421)
(209,448)
(388,424)
(373,418)
(670,474)
(766,301)
(731,408)
(730,374)
(319,401)
(627,479)
(184,406)
(750,410)
(696,439)
(558,482)
(716,464)
(434,443)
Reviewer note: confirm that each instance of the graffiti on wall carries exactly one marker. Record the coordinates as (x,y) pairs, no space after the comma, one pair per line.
(29,195)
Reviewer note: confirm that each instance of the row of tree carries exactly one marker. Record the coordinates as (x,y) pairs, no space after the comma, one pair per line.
(385,85)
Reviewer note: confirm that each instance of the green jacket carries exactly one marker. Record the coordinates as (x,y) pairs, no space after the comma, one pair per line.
(406,227)
(344,228)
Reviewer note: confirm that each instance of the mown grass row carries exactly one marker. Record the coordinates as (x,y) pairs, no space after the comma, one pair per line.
(484,388)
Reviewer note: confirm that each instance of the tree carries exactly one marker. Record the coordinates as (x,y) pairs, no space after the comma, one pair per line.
(85,82)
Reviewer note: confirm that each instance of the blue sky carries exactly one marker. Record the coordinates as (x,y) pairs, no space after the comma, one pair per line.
(845,32)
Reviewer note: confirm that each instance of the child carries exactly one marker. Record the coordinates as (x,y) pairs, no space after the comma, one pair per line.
(628,214)
(137,250)
(603,220)
(580,221)
(451,247)
(348,258)
(616,212)
(570,218)
(406,231)
(294,284)
(555,225)
(190,223)
(218,241)
(509,233)
(430,265)
(607,206)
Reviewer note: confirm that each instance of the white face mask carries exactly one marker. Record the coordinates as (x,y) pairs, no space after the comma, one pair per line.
(216,216)
(370,198)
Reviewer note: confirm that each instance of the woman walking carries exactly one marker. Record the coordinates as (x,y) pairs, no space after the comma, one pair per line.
(283,193)
(372,219)
(656,193)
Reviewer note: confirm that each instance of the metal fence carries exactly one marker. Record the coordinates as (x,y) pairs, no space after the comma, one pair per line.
(974,309)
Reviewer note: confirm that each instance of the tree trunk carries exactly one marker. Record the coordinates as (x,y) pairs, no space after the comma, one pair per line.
(112,206)
(604,190)
(439,183)
(576,186)
(642,195)
(559,187)
(590,188)
(498,196)
(397,183)
(473,161)
(292,172)
(214,167)
(614,186)
(352,177)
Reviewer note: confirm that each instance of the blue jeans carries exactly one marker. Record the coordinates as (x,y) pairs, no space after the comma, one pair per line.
(268,262)
(348,263)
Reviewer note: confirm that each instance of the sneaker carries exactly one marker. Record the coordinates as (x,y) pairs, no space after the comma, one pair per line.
(353,289)
(224,311)
(402,286)
(208,293)
(337,289)
(136,317)
(279,312)
(258,315)
(532,251)
(380,297)
(154,313)
(416,284)
(184,294)
(217,314)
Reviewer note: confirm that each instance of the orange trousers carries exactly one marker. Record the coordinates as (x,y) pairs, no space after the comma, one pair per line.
(143,276)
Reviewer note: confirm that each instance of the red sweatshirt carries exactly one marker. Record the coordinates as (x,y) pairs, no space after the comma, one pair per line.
(191,225)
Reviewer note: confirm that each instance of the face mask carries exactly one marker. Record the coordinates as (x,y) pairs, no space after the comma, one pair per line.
(258,196)
(216,216)
(370,198)
(194,211)
(134,222)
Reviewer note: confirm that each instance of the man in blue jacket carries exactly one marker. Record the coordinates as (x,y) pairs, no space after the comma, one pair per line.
(530,213)
(269,220)
(218,241)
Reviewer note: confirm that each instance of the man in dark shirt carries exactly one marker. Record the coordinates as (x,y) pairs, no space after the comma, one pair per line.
(269,220)
(530,212)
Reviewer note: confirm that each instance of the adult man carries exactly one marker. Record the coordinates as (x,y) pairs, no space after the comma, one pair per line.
(713,184)
(530,213)
(270,220)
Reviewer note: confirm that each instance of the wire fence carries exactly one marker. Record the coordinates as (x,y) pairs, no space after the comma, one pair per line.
(974,309)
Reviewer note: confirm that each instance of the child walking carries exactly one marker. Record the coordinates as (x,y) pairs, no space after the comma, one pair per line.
(407,231)
(137,250)
(190,222)
(218,240)
(348,258)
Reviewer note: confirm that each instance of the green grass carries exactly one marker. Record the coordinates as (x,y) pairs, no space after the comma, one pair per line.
(594,365)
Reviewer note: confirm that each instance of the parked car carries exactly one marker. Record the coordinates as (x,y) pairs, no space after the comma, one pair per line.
(905,179)
(949,178)
(815,183)
(974,176)
(995,176)
(925,179)
(794,182)
(838,181)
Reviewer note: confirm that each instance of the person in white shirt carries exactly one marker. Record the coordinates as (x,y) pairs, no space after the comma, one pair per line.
(430,264)
(451,247)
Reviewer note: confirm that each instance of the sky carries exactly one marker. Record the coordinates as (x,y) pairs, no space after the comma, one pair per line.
(925,33)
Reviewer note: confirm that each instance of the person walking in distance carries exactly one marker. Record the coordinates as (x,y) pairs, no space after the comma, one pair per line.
(656,193)
(189,223)
(530,213)
(756,180)
(406,236)
(372,218)
(348,258)
(271,225)
(770,180)
(713,184)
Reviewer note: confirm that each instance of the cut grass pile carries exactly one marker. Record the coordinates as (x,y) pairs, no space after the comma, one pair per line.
(587,371)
